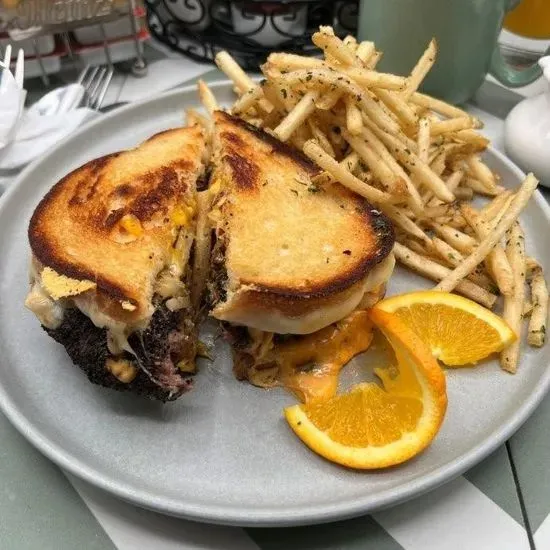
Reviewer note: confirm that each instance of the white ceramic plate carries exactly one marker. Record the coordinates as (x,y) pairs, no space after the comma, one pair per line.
(223,453)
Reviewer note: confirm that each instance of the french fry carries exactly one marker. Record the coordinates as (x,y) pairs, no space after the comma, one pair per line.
(340,174)
(273,93)
(451,125)
(333,46)
(405,140)
(297,116)
(398,106)
(194,117)
(469,136)
(329,99)
(513,304)
(436,272)
(349,163)
(247,100)
(453,257)
(365,51)
(438,163)
(292,62)
(510,216)
(436,211)
(457,222)
(242,81)
(351,43)
(415,202)
(207,97)
(497,260)
(321,138)
(437,105)
(415,246)
(464,193)
(481,172)
(300,136)
(421,69)
(374,79)
(406,224)
(493,208)
(373,60)
(354,121)
(452,182)
(531,265)
(480,188)
(419,169)
(365,176)
(423,139)
(446,252)
(457,239)
(539,315)
(527,310)
(390,181)
(345,84)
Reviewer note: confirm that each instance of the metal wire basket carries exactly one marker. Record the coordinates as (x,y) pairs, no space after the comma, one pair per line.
(248,29)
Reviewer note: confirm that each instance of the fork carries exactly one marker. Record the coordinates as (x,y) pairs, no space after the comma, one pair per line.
(96,81)
(88,91)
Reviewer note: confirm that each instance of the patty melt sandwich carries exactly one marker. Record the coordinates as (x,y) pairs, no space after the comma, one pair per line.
(294,264)
(111,244)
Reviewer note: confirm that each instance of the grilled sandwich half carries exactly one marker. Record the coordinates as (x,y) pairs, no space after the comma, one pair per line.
(293,264)
(111,244)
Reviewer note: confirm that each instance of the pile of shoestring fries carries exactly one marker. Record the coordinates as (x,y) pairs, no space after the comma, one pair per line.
(416,157)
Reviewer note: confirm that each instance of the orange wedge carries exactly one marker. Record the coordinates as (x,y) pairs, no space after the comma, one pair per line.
(458,331)
(376,426)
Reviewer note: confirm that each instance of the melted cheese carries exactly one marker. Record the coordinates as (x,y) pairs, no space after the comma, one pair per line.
(60,286)
(131,225)
(117,331)
(49,312)
(122,369)
(327,351)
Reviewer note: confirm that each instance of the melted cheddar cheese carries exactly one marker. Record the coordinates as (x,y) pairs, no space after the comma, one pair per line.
(326,351)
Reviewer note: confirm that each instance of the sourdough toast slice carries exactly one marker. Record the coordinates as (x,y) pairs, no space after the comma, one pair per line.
(114,220)
(290,257)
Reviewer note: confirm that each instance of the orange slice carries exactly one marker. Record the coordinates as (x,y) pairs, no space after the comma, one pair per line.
(376,426)
(458,331)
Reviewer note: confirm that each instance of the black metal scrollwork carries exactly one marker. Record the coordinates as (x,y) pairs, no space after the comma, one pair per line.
(248,29)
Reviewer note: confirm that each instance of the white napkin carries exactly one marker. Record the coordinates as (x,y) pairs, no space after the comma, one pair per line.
(37,134)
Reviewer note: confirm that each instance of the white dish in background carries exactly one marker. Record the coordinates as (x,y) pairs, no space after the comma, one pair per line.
(223,453)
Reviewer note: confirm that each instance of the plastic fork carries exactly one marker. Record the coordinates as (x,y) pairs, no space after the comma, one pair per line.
(18,92)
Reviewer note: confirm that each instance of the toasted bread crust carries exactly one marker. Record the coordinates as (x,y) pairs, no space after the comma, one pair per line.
(76,228)
(276,146)
(317,290)
(291,248)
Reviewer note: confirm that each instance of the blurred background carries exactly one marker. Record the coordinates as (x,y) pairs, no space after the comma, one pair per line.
(60,37)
